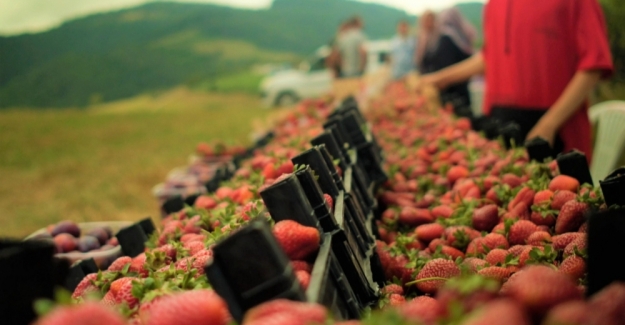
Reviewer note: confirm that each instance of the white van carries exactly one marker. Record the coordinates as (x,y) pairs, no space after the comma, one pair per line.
(313,79)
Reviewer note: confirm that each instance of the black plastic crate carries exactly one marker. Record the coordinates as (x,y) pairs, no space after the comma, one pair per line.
(132,240)
(606,239)
(371,162)
(613,187)
(249,267)
(341,135)
(331,144)
(538,149)
(574,164)
(314,158)
(317,200)
(172,205)
(338,179)
(329,285)
(286,200)
(78,271)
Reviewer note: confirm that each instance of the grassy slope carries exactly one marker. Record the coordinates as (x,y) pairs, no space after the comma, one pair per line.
(101,163)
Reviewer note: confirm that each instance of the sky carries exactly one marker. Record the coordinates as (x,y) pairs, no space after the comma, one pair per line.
(23,16)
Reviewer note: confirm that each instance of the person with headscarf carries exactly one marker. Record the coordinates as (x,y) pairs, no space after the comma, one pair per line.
(444,41)
(540,60)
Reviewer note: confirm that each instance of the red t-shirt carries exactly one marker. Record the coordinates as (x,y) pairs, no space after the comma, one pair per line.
(532,50)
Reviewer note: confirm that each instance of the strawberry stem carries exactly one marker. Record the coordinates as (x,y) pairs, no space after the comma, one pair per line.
(434,278)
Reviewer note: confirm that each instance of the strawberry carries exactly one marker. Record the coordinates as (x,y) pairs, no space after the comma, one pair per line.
(329,201)
(467,292)
(496,272)
(442,211)
(205,202)
(451,252)
(511,180)
(456,172)
(571,217)
(561,241)
(460,236)
(485,218)
(520,231)
(298,241)
(138,265)
(520,211)
(422,310)
(525,195)
(437,268)
(414,217)
(301,266)
(119,263)
(516,250)
(392,289)
(188,308)
(474,264)
(89,313)
(561,197)
(578,244)
(435,243)
(573,266)
(304,278)
(496,256)
(583,228)
(268,312)
(543,197)
(498,312)
(491,195)
(194,247)
(396,299)
(573,312)
(484,244)
(543,218)
(540,288)
(428,232)
(538,238)
(564,182)
(607,305)
(86,286)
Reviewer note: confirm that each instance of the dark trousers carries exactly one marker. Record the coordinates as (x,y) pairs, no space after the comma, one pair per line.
(526,119)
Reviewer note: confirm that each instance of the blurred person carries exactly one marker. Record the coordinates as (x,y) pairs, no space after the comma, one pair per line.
(351,46)
(445,40)
(333,61)
(541,60)
(402,51)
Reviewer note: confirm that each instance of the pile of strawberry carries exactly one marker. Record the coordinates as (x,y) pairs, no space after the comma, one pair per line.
(470,233)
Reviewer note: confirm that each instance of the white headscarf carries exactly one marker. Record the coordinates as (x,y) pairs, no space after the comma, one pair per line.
(449,22)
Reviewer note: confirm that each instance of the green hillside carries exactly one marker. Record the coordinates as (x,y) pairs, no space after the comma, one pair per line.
(159,45)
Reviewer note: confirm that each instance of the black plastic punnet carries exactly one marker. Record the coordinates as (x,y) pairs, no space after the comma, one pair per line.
(316,199)
(538,149)
(286,200)
(132,240)
(613,187)
(606,239)
(314,158)
(574,164)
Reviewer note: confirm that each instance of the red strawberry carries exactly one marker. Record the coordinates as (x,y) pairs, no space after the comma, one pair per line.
(138,265)
(188,308)
(468,292)
(564,182)
(88,313)
(436,268)
(561,241)
(121,289)
(578,244)
(607,305)
(496,272)
(305,313)
(543,219)
(561,197)
(511,179)
(414,217)
(571,217)
(474,264)
(516,250)
(491,195)
(428,232)
(423,309)
(543,196)
(329,200)
(435,243)
(451,252)
(396,299)
(583,228)
(86,286)
(498,312)
(456,172)
(194,247)
(539,238)
(486,217)
(393,289)
(500,228)
(525,195)
(119,263)
(540,288)
(573,266)
(302,266)
(304,278)
(484,244)
(574,312)
(520,211)
(298,241)
(496,256)
(460,236)
(520,231)
(205,202)
(442,211)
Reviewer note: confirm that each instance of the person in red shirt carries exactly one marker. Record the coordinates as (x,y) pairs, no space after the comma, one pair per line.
(540,60)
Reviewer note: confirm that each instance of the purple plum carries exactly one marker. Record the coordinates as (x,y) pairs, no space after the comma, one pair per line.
(88,243)
(108,230)
(100,234)
(66,227)
(65,243)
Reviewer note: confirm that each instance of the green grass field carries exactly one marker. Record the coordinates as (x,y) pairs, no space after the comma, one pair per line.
(101,163)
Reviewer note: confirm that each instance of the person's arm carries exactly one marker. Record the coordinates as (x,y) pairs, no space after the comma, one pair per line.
(456,73)
(567,104)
